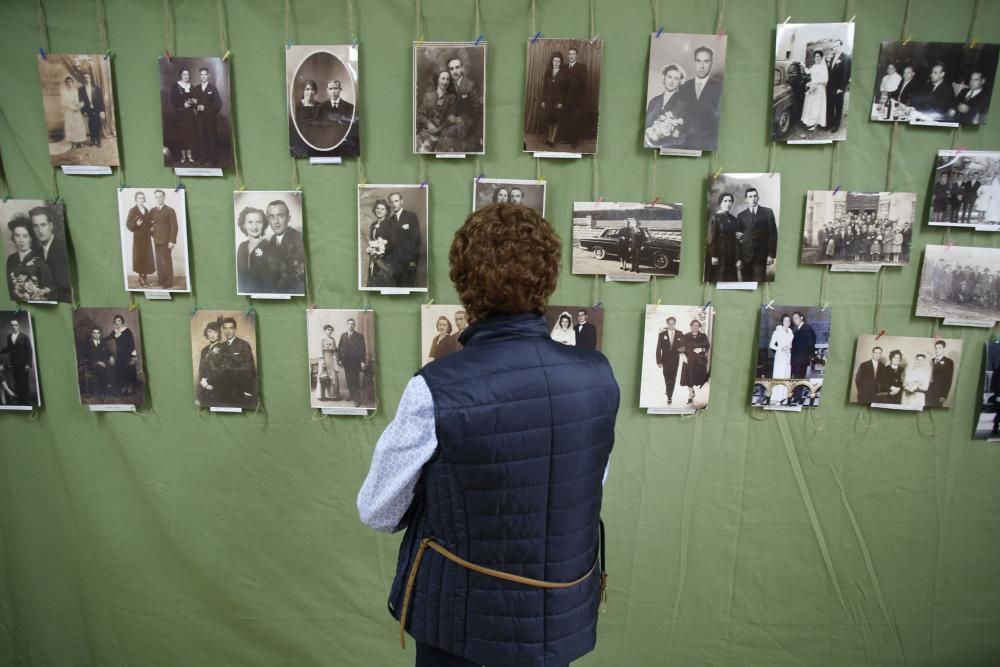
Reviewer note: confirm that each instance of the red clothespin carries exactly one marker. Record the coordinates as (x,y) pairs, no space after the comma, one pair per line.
(654,202)
(880,334)
(599,199)
(720,34)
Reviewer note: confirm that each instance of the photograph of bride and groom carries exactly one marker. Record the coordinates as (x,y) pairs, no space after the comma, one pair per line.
(791,356)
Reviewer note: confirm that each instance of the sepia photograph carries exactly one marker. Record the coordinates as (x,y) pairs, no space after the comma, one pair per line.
(905,373)
(223,359)
(812,79)
(153,227)
(37,252)
(78,100)
(486,191)
(270,247)
(18,362)
(966,190)
(988,423)
(449,97)
(644,240)
(323,100)
(562,95)
(676,357)
(960,284)
(109,362)
(196,112)
(872,228)
(934,83)
(440,326)
(684,91)
(392,238)
(792,347)
(579,326)
(341,358)
(742,240)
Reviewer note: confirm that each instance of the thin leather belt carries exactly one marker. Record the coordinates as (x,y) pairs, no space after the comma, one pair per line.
(428,542)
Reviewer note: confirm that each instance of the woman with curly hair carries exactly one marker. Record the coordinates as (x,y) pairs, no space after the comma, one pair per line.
(258,267)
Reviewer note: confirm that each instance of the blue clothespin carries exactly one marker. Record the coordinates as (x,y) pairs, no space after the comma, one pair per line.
(288,45)
(478,40)
(599,304)
(180,186)
(707,304)
(537,35)
(479,177)
(355,43)
(836,190)
(659,32)
(423,184)
(42,51)
(121,188)
(250,310)
(194,309)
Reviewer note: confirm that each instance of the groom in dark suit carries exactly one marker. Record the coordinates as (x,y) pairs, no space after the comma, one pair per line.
(575,101)
(840,78)
(17,347)
(53,251)
(866,378)
(353,355)
(208,106)
(289,248)
(586,333)
(757,232)
(405,257)
(669,346)
(942,374)
(701,98)
(803,345)
(92,99)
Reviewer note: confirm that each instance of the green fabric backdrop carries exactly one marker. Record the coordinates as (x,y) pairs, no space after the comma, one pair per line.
(174,538)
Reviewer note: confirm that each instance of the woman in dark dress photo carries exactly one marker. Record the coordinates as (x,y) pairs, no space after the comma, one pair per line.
(501,195)
(307,109)
(184,102)
(443,343)
(553,96)
(28,277)
(723,246)
(436,115)
(258,268)
(140,222)
(207,365)
(379,271)
(695,373)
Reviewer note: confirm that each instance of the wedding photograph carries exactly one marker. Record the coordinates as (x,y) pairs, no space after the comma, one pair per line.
(78,102)
(644,239)
(196,112)
(741,244)
(562,95)
(341,346)
(223,359)
(152,223)
(960,283)
(323,100)
(905,373)
(35,243)
(966,191)
(530,193)
(440,326)
(851,228)
(109,362)
(270,246)
(676,357)
(793,344)
(449,97)
(18,362)
(988,422)
(579,326)
(812,79)
(392,238)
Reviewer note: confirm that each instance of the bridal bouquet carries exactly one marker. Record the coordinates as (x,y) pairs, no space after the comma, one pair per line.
(376,248)
(666,126)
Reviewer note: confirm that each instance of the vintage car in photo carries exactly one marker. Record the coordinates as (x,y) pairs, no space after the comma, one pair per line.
(790,81)
(659,253)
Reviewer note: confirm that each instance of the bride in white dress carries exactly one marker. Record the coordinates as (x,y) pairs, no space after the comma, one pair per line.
(814,107)
(781,344)
(563,331)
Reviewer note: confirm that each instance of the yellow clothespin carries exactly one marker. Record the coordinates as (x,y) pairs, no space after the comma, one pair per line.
(226,55)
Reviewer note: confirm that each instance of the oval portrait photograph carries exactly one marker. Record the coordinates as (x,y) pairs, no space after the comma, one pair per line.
(322,101)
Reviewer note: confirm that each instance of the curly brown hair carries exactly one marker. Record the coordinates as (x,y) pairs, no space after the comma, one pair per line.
(504,260)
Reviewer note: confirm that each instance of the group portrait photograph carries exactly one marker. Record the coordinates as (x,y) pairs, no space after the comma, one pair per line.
(109,365)
(392,237)
(224,355)
(270,247)
(449,97)
(966,190)
(741,243)
(152,223)
(904,372)
(858,228)
(960,283)
(793,344)
(530,193)
(196,112)
(627,238)
(341,346)
(323,101)
(37,267)
(18,362)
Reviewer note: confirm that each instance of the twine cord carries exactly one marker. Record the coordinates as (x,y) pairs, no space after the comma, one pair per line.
(352,22)
(43,25)
(720,15)
(102,25)
(168,23)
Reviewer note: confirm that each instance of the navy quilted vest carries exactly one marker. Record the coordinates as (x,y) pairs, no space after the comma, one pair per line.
(525,426)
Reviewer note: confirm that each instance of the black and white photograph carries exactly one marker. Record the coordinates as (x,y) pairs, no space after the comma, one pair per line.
(684,91)
(37,252)
(341,358)
(153,227)
(627,238)
(579,326)
(449,97)
(905,373)
(741,245)
(78,100)
(988,422)
(562,95)
(960,284)
(812,79)
(858,228)
(486,191)
(793,344)
(676,357)
(392,238)
(224,357)
(966,191)
(19,388)
(270,246)
(934,83)
(440,326)
(109,365)
(196,112)
(323,101)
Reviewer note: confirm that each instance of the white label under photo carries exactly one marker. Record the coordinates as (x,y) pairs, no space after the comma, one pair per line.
(111,407)
(197,171)
(326,160)
(83,170)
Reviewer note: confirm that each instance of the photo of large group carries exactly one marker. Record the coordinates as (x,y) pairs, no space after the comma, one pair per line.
(684,91)
(197,116)
(677,357)
(79,104)
(578,326)
(934,82)
(562,93)
(270,249)
(223,358)
(392,237)
(323,100)
(18,362)
(844,228)
(152,223)
(109,362)
(812,78)
(913,373)
(742,240)
(643,239)
(486,191)
(988,423)
(37,267)
(440,327)
(792,349)
(966,189)
(960,283)
(449,95)
(341,358)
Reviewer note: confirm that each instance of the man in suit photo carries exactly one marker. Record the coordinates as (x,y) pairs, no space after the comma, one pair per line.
(974,101)
(866,378)
(461,323)
(164,233)
(53,251)
(95,367)
(758,237)
(970,191)
(468,105)
(289,248)
(407,232)
(334,117)
(92,99)
(575,102)
(942,374)
(208,104)
(839,80)
(701,96)
(586,333)
(236,382)
(938,100)
(353,356)
(18,349)
(803,345)
(669,346)
(909,90)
